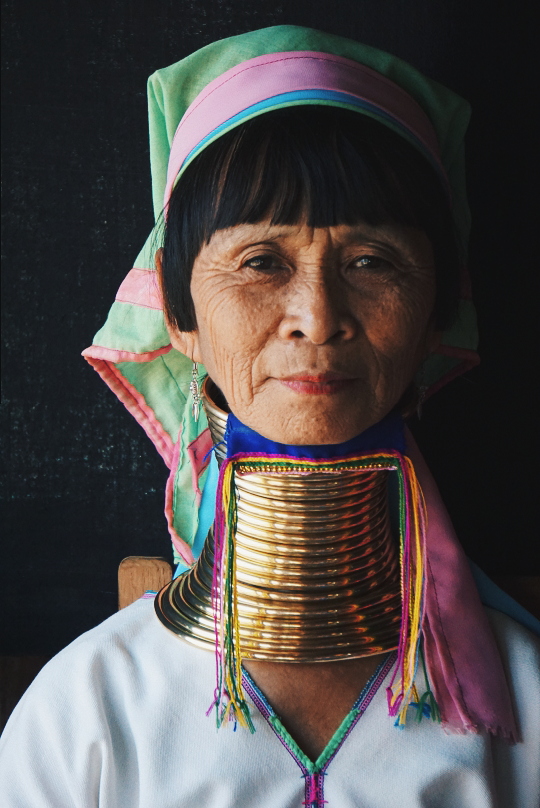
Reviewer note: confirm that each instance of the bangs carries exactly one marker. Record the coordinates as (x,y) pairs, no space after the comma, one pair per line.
(321,165)
(316,164)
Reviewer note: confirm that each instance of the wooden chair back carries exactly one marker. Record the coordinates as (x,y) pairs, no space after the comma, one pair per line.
(138,574)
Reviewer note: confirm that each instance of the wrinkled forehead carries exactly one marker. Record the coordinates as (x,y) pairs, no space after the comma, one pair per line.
(279,80)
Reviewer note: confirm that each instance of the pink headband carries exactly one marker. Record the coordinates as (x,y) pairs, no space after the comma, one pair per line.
(280,79)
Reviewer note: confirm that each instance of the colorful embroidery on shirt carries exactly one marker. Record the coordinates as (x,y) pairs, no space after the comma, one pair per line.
(315,772)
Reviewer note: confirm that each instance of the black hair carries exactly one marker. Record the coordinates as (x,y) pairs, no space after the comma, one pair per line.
(322,164)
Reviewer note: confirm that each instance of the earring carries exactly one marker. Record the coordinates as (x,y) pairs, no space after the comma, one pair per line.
(195,394)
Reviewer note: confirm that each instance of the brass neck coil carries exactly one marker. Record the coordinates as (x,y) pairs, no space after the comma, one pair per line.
(317,568)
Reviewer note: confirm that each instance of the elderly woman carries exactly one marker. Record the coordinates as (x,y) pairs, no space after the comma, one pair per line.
(310,289)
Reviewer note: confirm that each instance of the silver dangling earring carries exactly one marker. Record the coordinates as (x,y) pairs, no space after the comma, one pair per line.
(195,393)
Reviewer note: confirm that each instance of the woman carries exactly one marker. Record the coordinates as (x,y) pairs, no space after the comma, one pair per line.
(315,228)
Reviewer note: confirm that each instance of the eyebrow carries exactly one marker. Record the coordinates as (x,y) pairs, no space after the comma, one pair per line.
(357,233)
(395,232)
(269,240)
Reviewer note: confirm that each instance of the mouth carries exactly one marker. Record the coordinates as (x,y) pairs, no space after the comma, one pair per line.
(317,384)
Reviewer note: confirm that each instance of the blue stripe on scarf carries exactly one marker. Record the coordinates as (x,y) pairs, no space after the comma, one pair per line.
(309,96)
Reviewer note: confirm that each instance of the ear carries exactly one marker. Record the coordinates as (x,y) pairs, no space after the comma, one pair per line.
(187,342)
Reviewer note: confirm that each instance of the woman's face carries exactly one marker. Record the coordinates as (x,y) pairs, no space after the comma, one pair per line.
(312,334)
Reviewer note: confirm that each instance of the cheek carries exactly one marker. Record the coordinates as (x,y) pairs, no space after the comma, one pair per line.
(397,328)
(234,325)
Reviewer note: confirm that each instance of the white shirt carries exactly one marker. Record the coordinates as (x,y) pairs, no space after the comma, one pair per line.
(117,720)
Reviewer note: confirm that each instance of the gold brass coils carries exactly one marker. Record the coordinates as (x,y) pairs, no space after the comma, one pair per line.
(317,568)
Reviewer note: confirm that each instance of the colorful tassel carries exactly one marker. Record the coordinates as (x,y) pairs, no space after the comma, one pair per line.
(401,691)
(229,699)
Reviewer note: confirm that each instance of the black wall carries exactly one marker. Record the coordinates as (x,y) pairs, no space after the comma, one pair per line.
(83,486)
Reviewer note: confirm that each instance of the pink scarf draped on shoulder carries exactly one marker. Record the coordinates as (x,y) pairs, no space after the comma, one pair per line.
(462,657)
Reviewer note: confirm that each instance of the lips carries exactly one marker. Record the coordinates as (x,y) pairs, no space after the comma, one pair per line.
(317,384)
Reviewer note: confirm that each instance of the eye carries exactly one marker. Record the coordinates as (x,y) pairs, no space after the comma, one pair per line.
(373,262)
(264,263)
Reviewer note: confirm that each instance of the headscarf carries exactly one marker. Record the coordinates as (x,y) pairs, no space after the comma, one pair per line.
(191,104)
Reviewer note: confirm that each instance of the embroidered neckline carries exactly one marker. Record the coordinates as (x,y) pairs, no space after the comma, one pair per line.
(318,767)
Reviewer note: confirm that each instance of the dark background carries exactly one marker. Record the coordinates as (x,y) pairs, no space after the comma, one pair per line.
(83,486)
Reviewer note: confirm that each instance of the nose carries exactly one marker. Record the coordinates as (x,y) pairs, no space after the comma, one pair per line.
(318,310)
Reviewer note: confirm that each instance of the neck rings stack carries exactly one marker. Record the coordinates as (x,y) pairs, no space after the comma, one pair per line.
(317,569)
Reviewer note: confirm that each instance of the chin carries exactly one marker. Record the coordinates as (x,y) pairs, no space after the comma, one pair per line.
(315,430)
(296,420)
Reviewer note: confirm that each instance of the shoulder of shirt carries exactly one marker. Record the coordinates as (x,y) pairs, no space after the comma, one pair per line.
(507,630)
(119,642)
(519,649)
(123,626)
(520,654)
